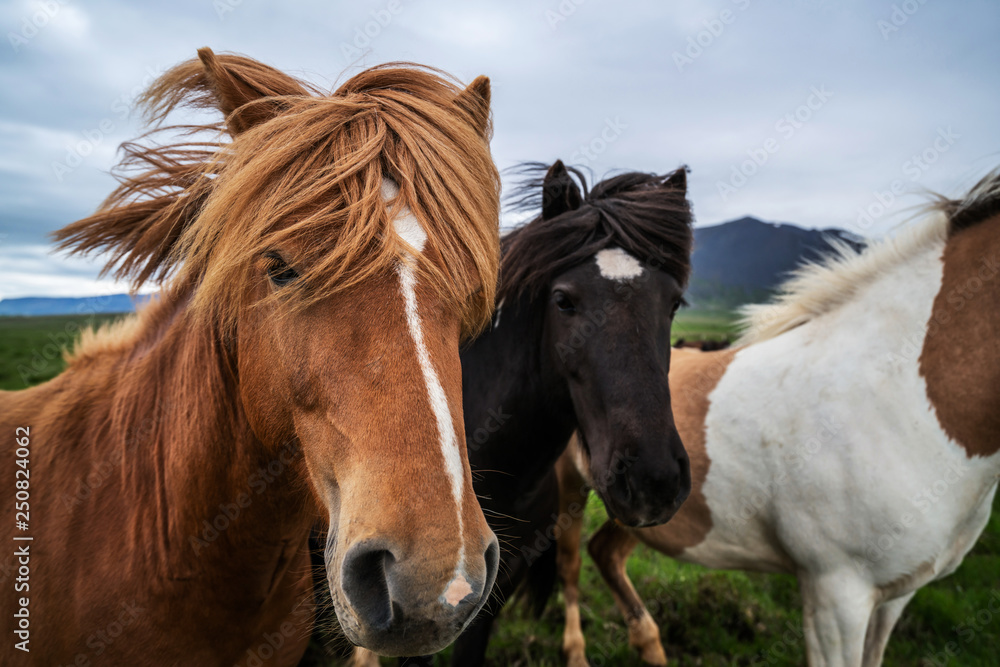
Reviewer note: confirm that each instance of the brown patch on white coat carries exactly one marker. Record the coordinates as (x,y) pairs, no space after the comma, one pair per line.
(961,356)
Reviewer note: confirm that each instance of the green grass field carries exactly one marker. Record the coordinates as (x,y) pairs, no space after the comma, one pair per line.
(31,347)
(706,618)
(704,325)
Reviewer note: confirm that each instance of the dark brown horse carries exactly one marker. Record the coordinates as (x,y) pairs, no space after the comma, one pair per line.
(300,364)
(580,340)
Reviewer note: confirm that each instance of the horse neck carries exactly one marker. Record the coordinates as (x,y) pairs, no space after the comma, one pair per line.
(518,414)
(188,454)
(895,308)
(902,335)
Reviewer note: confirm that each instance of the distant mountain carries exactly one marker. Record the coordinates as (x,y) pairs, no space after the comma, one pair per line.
(742,261)
(734,263)
(39,305)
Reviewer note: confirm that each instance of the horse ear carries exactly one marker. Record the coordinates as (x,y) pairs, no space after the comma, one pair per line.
(677,180)
(474,103)
(559,192)
(238,81)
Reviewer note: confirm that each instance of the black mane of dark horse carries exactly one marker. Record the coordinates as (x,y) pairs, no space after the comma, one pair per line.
(570,349)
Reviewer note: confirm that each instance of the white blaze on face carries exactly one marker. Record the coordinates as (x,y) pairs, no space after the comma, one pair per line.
(405,224)
(409,229)
(616,264)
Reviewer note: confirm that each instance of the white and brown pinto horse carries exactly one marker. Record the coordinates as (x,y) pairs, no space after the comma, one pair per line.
(851,439)
(301,366)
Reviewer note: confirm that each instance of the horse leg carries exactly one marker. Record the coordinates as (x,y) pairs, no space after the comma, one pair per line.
(836,611)
(814,654)
(880,627)
(572,499)
(363,658)
(610,548)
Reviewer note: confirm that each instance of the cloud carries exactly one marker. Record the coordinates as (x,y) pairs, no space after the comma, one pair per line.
(702,84)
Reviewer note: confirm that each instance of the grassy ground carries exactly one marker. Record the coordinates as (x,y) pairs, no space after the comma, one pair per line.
(31,347)
(706,618)
(704,325)
(714,618)
(734,618)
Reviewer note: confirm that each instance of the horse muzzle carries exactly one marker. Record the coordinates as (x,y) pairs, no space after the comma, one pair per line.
(388,604)
(646,495)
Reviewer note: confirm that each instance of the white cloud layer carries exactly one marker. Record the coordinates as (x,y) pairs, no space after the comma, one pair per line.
(707,84)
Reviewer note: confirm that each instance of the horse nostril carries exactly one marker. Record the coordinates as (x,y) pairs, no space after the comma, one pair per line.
(618,498)
(684,466)
(492,557)
(623,489)
(364,579)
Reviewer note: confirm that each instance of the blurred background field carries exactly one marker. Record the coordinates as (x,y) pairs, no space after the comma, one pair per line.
(31,348)
(706,617)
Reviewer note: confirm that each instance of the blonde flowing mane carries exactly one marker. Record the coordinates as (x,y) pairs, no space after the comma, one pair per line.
(821,287)
(302,169)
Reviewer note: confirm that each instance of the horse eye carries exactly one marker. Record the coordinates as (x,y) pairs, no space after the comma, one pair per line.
(279,272)
(564,303)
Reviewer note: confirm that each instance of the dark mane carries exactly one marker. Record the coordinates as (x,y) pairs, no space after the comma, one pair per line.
(633,211)
(981,203)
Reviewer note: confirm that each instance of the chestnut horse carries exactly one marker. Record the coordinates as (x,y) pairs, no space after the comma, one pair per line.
(300,365)
(851,439)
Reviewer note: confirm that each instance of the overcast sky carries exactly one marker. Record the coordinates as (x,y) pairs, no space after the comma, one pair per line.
(803,111)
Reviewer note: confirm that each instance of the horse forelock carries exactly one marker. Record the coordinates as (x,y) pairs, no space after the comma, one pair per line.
(632,211)
(309,177)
